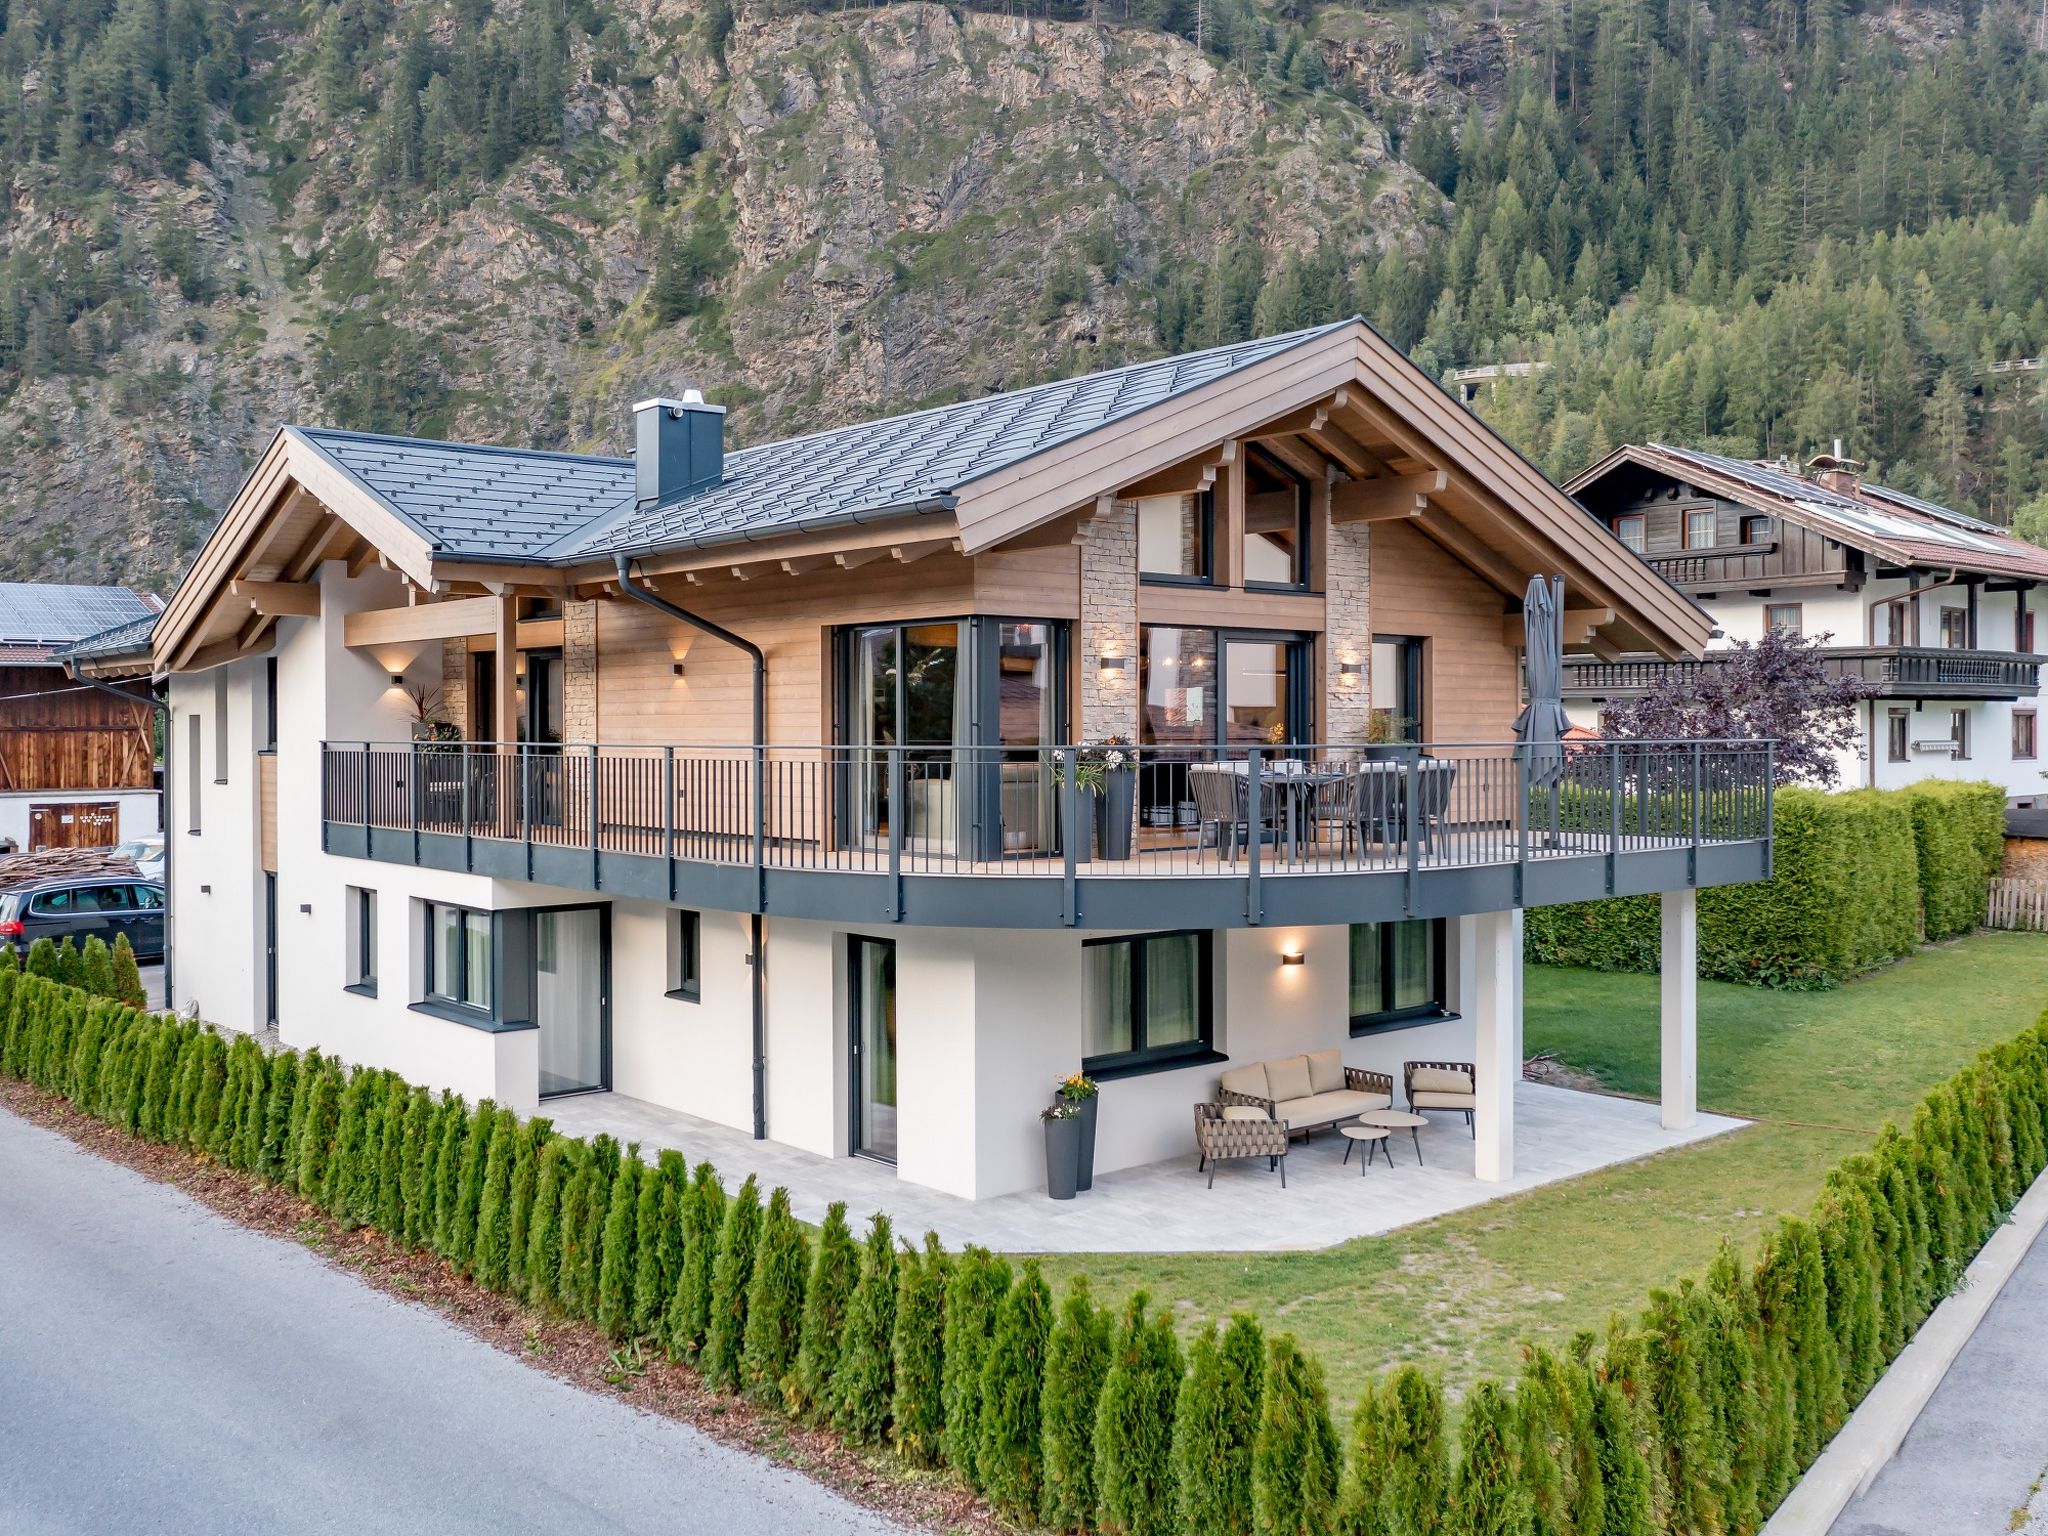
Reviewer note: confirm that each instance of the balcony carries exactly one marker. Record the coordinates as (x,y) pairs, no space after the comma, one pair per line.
(1896,671)
(994,837)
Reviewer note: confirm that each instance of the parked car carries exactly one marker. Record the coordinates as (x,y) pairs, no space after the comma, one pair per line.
(82,906)
(146,854)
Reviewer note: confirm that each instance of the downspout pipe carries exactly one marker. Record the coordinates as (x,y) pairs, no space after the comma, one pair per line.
(652,599)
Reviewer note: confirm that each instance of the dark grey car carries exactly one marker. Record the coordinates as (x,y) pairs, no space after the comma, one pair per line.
(84,907)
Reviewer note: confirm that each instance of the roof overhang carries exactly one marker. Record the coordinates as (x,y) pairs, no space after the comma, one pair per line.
(1472,492)
(294,503)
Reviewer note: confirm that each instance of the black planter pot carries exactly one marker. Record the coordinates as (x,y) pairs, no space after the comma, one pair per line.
(1062,1156)
(1116,815)
(1084,1177)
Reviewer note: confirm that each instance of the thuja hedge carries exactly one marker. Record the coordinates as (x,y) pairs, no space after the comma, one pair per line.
(1858,879)
(1696,1415)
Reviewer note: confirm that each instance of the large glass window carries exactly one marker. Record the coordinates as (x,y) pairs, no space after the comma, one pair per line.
(1397,687)
(1397,973)
(361,939)
(1174,537)
(1146,1000)
(458,966)
(1275,524)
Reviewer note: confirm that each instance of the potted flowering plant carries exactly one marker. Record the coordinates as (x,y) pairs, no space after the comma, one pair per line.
(1107,773)
(1081,1091)
(1062,1122)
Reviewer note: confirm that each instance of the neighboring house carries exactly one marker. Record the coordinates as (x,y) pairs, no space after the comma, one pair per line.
(77,763)
(1938,610)
(760,808)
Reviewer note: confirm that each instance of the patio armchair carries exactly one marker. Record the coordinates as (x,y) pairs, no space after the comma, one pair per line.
(1441,1085)
(1229,1130)
(1371,809)
(1431,801)
(1306,1092)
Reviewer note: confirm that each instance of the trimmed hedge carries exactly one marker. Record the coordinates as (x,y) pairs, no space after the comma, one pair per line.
(1698,1414)
(1858,879)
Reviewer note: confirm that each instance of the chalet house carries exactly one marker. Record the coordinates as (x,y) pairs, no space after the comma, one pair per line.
(77,763)
(1934,608)
(853,789)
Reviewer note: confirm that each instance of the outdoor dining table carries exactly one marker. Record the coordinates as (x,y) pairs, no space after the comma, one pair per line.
(1298,783)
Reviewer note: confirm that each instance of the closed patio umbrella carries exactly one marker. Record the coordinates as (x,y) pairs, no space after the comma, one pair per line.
(1541,725)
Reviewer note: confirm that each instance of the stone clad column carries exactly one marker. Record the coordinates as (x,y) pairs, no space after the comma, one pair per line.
(1679,985)
(1109,622)
(579,671)
(1347,630)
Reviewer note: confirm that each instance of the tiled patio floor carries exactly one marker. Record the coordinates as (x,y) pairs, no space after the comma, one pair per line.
(1166,1207)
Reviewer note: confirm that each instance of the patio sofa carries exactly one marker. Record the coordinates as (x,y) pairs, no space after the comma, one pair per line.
(1305,1092)
(1441,1085)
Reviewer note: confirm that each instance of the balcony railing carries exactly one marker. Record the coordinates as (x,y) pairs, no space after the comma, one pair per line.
(1893,670)
(1052,814)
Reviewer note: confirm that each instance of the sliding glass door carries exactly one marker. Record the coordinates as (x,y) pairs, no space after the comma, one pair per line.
(1210,694)
(571,1001)
(947,726)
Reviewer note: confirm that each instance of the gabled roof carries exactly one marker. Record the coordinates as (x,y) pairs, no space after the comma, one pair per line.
(476,501)
(1900,529)
(913,462)
(38,619)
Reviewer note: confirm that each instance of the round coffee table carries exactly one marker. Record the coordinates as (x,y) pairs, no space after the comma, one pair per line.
(1397,1120)
(1374,1136)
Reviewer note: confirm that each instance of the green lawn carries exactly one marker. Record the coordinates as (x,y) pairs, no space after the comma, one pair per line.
(1462,1292)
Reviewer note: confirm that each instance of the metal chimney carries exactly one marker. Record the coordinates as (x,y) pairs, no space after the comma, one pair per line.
(678,447)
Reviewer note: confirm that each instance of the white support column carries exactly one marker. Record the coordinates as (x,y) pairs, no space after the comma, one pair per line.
(1679,967)
(1495,939)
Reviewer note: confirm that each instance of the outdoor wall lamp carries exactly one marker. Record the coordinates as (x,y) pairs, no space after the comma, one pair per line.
(1293,957)
(1115,663)
(1349,672)
(398,679)
(676,668)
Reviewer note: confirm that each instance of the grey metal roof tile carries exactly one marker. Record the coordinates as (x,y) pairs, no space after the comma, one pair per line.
(115,641)
(483,502)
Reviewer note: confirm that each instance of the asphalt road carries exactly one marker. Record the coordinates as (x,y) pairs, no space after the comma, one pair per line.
(1974,1459)
(163,1370)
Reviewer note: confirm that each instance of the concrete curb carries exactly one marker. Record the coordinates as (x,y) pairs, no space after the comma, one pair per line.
(1880,1423)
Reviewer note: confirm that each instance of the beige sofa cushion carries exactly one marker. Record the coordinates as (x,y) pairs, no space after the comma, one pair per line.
(1325,1072)
(1322,1108)
(1243,1112)
(1249,1081)
(1288,1078)
(1435,1100)
(1439,1080)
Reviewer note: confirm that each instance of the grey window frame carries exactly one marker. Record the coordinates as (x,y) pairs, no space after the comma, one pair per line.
(1140,1058)
(1433,1010)
(460,999)
(363,960)
(686,955)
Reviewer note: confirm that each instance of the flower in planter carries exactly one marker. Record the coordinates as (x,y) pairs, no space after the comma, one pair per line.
(1076,1086)
(1059,1109)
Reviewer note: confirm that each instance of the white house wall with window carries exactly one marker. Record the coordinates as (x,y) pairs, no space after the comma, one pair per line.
(883,917)
(1938,610)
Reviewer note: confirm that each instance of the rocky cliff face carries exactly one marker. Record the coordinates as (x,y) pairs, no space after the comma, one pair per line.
(891,206)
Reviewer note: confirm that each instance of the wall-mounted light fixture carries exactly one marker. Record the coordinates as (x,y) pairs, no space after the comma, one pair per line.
(1352,670)
(1115,663)
(306,907)
(676,668)
(1293,957)
(398,679)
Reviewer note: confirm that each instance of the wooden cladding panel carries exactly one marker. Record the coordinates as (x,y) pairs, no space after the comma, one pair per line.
(1471,685)
(58,735)
(266,809)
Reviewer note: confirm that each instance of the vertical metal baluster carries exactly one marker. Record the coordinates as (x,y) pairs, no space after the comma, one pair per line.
(1255,823)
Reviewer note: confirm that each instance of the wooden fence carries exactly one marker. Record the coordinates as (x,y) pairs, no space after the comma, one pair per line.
(2019,904)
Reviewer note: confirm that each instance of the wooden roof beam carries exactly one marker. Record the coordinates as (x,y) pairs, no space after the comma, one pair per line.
(1579,624)
(1190,477)
(1379,501)
(330,543)
(297,598)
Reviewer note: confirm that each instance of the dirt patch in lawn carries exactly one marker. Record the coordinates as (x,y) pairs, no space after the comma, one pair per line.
(574,1352)
(1548,1069)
